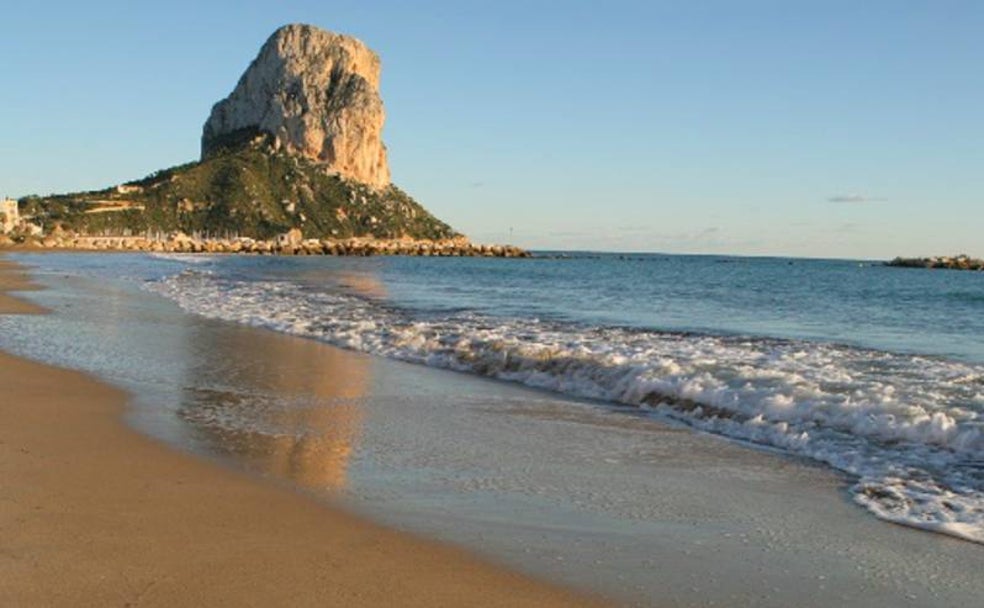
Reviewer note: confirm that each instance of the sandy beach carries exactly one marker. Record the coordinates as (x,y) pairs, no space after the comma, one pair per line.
(94,514)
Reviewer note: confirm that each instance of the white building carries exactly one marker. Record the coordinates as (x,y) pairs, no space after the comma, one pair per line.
(9,216)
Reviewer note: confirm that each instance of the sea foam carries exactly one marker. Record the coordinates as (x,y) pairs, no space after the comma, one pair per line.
(909,429)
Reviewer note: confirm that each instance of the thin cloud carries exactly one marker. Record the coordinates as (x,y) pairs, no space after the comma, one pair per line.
(855,198)
(679,237)
(566,234)
(639,228)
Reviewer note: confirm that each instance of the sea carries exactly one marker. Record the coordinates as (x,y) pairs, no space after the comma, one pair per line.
(872,373)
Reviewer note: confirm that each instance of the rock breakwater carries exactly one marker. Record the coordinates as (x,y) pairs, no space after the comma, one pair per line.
(287,244)
(957,262)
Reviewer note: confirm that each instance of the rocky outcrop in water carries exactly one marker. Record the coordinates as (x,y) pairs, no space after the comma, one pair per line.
(316,94)
(957,262)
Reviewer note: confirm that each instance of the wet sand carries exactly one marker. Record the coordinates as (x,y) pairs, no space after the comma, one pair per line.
(12,278)
(93,514)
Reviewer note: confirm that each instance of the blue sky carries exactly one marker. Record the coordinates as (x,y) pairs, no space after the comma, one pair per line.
(832,129)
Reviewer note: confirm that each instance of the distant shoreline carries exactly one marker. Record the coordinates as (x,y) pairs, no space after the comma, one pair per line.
(295,245)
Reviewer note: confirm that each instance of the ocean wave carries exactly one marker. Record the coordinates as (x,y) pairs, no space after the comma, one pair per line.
(909,428)
(184,258)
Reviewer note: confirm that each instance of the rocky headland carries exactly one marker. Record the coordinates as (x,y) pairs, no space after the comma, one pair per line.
(292,157)
(956,262)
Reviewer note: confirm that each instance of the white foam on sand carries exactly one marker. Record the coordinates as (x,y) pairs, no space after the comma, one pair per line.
(909,428)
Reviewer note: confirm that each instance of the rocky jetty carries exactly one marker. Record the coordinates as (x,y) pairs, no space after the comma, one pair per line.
(291,243)
(316,94)
(957,262)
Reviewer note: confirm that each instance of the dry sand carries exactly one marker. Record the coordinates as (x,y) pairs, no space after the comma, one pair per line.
(93,514)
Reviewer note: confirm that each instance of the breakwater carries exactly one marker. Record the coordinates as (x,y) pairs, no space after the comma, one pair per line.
(291,243)
(957,262)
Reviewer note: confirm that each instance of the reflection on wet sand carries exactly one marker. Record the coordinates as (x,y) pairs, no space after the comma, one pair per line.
(286,406)
(361,284)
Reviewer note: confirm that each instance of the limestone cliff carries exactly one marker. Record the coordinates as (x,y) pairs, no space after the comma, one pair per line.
(315,94)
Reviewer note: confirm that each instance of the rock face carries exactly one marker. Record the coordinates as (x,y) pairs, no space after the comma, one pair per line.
(9,216)
(316,94)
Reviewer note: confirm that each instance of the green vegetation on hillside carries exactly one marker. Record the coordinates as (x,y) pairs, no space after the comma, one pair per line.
(248,190)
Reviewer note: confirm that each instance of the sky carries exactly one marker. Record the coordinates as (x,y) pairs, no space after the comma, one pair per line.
(818,129)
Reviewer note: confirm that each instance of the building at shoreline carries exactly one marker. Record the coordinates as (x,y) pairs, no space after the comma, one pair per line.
(9,215)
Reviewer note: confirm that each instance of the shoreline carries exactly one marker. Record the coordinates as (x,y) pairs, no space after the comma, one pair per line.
(94,513)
